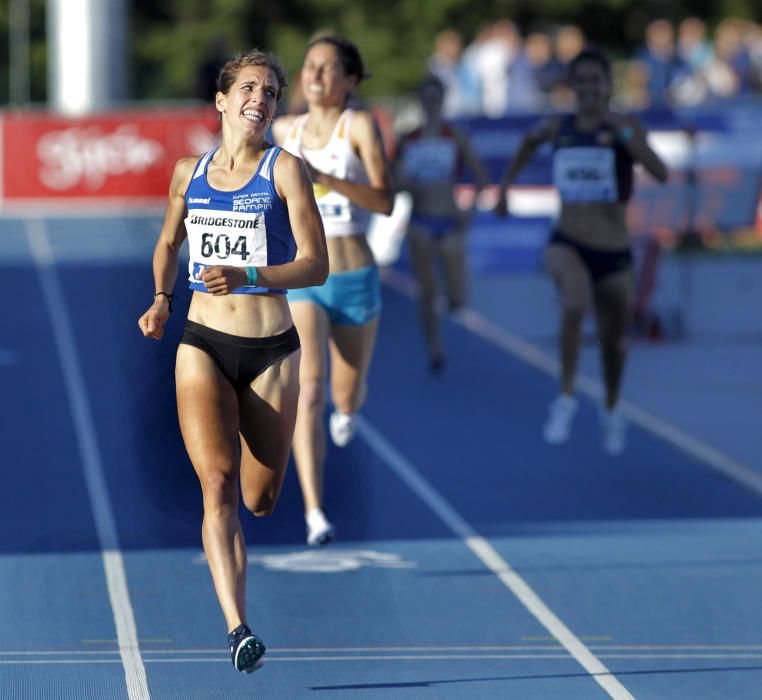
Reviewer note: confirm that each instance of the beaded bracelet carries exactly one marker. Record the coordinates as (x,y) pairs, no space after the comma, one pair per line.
(170,298)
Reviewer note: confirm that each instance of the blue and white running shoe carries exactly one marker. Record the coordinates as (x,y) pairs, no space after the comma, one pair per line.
(246,649)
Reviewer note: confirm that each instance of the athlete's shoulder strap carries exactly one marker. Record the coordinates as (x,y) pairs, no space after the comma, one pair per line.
(342,127)
(564,127)
(297,128)
(268,162)
(202,163)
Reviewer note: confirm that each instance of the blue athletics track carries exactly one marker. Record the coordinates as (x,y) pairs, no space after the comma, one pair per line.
(473,561)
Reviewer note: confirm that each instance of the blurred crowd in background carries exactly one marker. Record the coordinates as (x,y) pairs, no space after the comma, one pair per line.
(503,71)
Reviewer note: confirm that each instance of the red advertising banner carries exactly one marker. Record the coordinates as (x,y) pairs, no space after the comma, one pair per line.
(124,156)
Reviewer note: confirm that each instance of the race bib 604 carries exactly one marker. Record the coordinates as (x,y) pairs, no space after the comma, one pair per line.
(225,238)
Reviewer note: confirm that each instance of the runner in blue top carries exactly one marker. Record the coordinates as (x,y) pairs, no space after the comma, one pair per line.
(428,163)
(589,253)
(253,231)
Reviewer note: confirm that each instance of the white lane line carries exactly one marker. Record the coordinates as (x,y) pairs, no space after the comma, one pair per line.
(492,560)
(269,659)
(222,659)
(721,650)
(536,357)
(113,563)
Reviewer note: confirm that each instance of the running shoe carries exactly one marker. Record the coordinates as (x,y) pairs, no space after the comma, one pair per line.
(343,427)
(560,415)
(614,430)
(319,530)
(246,649)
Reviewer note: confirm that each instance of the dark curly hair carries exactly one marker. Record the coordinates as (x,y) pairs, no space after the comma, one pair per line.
(255,57)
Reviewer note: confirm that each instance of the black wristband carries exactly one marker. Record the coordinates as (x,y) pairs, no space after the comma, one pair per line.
(170,298)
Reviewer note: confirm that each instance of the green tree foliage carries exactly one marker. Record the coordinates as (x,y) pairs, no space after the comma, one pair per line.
(176,44)
(37,50)
(175,37)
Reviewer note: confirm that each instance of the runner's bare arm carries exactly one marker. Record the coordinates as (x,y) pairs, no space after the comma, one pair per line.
(632,135)
(544,131)
(167,251)
(398,171)
(473,163)
(310,267)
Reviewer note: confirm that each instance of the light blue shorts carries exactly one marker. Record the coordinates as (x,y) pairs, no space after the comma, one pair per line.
(349,298)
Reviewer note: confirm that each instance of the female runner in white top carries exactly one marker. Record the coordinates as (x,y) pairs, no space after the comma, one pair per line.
(345,155)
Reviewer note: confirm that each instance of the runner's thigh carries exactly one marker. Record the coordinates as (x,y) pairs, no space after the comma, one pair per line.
(268,415)
(208,411)
(571,277)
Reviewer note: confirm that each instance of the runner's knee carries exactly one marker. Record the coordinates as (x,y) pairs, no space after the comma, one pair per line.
(426,292)
(312,394)
(573,314)
(264,507)
(614,341)
(219,488)
(349,397)
(260,502)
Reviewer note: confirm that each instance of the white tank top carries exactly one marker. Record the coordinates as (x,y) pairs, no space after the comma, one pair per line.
(341,217)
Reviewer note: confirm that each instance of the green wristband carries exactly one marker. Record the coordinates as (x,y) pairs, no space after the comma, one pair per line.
(251,276)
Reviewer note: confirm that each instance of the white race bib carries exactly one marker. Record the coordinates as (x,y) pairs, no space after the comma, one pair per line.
(225,238)
(333,207)
(585,174)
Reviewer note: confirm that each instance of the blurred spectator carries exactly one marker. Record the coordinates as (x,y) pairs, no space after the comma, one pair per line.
(754,47)
(490,56)
(529,77)
(568,42)
(729,71)
(695,51)
(499,73)
(660,62)
(461,84)
(538,49)
(730,48)
(634,93)
(693,46)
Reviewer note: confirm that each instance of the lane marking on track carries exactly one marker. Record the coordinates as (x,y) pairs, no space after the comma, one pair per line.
(95,481)
(116,641)
(491,559)
(321,561)
(710,650)
(539,359)
(270,658)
